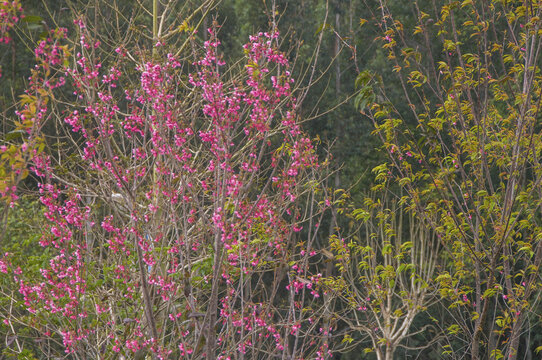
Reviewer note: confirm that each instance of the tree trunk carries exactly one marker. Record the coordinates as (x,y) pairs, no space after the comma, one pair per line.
(390,350)
(210,317)
(512,352)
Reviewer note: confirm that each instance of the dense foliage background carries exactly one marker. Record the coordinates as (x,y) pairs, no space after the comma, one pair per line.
(246,179)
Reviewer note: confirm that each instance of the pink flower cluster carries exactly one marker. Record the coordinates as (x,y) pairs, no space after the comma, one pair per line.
(10,14)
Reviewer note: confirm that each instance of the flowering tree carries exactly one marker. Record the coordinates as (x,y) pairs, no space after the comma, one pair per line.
(10,14)
(182,209)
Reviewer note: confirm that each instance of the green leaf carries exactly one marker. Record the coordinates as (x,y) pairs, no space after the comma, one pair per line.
(322,27)
(15,134)
(364,97)
(363,79)
(453,329)
(32,19)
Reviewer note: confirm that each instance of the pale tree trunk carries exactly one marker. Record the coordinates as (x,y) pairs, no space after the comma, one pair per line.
(329,266)
(390,350)
(210,317)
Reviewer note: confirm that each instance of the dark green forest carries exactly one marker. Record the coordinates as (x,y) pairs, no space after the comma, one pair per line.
(270,179)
